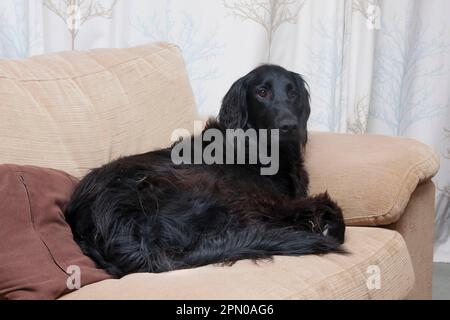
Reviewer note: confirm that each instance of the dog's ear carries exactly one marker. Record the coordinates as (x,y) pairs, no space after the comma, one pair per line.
(304,105)
(233,113)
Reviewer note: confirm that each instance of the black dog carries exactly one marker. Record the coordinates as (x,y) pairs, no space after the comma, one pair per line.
(146,214)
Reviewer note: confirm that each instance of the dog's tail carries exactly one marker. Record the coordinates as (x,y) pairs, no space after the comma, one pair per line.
(259,242)
(250,242)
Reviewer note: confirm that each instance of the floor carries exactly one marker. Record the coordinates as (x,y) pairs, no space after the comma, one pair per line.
(441,281)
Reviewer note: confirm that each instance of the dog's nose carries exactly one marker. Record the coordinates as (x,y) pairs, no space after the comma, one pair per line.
(287,127)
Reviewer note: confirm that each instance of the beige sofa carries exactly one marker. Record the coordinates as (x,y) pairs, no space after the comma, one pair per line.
(77,110)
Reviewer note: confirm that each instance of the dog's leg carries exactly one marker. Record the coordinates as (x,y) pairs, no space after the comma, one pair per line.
(318,214)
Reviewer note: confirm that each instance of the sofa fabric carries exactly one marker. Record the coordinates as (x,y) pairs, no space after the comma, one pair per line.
(330,276)
(37,248)
(417,229)
(372,177)
(74,111)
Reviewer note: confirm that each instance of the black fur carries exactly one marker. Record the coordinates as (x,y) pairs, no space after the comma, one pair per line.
(145,214)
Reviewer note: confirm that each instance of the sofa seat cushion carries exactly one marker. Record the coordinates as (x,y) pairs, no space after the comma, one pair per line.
(330,276)
(372,177)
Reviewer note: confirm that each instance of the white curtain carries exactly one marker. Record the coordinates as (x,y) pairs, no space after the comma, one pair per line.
(374,66)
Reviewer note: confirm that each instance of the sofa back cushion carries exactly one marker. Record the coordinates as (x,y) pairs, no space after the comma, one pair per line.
(74,111)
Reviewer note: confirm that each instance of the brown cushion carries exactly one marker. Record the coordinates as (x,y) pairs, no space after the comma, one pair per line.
(36,244)
(332,276)
(372,177)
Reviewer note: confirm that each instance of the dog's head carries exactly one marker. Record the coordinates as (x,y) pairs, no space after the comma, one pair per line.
(269,97)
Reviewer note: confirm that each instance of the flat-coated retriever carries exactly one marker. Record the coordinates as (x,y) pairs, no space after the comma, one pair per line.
(144,213)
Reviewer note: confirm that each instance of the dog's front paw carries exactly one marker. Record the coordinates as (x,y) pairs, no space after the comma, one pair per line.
(331,219)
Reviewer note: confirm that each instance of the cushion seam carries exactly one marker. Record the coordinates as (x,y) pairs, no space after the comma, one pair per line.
(22,180)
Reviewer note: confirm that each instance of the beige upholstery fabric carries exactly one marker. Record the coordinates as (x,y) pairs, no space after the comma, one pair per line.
(308,277)
(77,110)
(416,226)
(372,177)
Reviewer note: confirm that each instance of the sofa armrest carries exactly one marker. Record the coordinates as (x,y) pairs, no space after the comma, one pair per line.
(416,226)
(372,177)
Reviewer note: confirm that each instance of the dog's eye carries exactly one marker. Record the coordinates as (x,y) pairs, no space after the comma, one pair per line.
(263,93)
(292,94)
